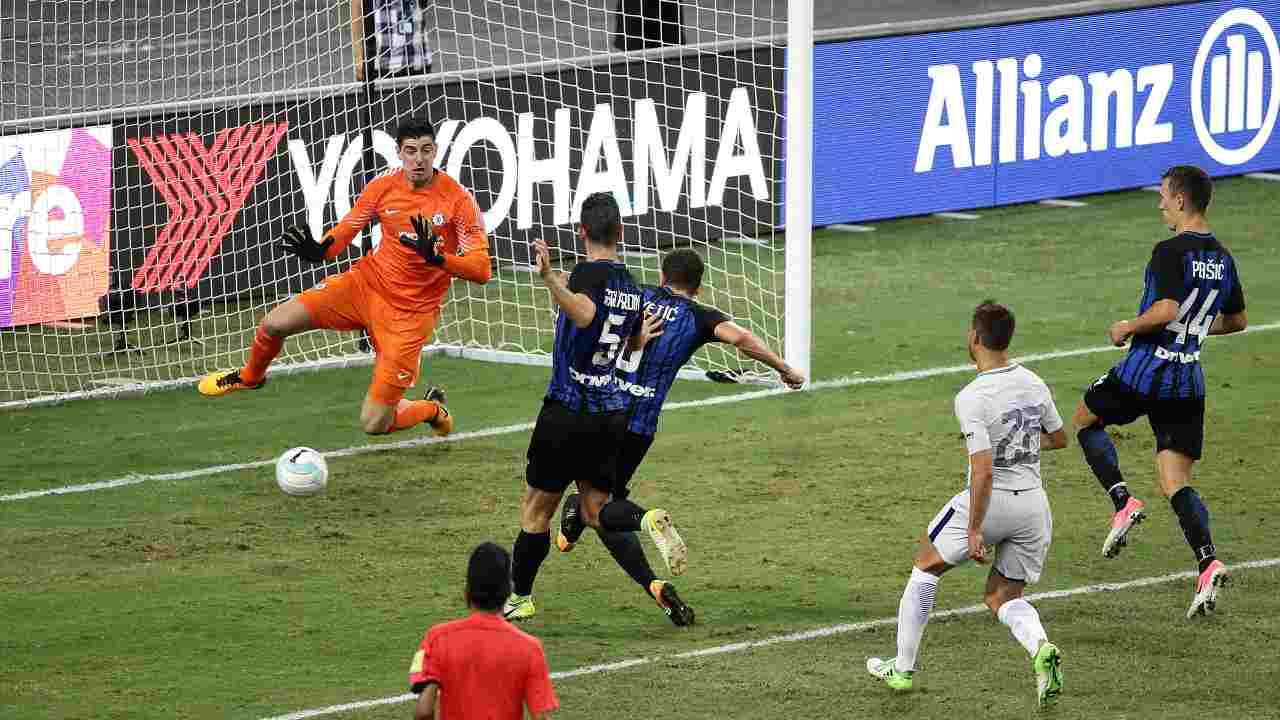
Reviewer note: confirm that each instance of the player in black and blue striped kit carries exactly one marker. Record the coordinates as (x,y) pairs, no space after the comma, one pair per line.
(1192,290)
(646,375)
(584,413)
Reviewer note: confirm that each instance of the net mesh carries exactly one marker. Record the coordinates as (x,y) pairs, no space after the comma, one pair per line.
(156,149)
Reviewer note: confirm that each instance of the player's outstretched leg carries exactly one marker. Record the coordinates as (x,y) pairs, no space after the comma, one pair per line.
(1100,453)
(913,615)
(250,377)
(217,384)
(622,515)
(283,321)
(430,409)
(629,554)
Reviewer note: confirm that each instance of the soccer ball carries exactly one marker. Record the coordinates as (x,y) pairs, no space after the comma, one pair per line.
(302,471)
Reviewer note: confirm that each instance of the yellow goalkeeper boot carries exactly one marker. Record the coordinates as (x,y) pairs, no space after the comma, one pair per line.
(220,383)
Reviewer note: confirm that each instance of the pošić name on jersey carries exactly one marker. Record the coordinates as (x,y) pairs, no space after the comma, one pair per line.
(646,376)
(582,375)
(1197,272)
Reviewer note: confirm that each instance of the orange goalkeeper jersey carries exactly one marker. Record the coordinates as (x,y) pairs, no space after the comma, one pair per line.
(398,272)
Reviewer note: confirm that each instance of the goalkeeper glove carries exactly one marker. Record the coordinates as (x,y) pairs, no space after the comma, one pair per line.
(297,240)
(425,243)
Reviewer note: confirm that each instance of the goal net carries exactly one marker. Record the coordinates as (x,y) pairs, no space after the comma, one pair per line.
(156,151)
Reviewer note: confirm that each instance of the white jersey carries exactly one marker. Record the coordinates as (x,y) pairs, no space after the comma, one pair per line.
(1005,410)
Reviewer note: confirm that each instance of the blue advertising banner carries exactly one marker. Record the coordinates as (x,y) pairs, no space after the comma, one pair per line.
(990,116)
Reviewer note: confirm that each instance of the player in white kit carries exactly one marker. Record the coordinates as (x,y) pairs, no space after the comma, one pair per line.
(1007,417)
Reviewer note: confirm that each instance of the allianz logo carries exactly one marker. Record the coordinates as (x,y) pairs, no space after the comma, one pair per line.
(1237,100)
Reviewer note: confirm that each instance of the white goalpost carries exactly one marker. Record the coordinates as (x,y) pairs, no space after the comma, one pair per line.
(157,150)
(799,178)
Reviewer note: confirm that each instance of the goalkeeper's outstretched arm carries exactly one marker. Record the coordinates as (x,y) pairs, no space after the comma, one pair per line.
(753,347)
(359,216)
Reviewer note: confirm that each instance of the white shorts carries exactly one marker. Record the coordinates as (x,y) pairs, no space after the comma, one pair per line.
(1018,523)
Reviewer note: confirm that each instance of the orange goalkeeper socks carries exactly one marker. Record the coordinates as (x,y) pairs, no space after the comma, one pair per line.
(414,412)
(265,349)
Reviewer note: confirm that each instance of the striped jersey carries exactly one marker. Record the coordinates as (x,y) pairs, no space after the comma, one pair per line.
(582,364)
(401,31)
(647,375)
(1197,272)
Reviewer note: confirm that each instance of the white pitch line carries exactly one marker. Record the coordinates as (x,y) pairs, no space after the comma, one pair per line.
(816,633)
(842,227)
(957,216)
(1152,188)
(1059,202)
(834,384)
(1263,176)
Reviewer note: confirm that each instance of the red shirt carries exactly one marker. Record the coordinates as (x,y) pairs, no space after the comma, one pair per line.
(485,667)
(398,272)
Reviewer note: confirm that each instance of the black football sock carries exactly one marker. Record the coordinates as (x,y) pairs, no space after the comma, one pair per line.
(626,549)
(1193,516)
(526,557)
(1100,453)
(621,516)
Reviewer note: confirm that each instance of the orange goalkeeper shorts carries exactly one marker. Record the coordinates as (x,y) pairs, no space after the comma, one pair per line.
(345,302)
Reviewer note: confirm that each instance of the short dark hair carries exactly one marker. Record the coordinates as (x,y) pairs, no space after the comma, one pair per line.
(488,577)
(994,324)
(414,128)
(601,218)
(683,269)
(1192,182)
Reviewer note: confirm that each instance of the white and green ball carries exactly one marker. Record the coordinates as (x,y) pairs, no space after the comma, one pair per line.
(302,471)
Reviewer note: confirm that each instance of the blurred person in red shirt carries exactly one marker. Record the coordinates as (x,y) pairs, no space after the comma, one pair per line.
(482,666)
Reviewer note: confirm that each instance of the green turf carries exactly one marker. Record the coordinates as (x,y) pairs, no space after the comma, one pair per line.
(220,597)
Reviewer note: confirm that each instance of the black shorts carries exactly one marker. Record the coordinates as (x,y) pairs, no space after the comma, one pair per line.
(569,446)
(634,447)
(1178,423)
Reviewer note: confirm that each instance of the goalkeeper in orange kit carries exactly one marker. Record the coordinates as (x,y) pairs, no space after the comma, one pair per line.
(432,232)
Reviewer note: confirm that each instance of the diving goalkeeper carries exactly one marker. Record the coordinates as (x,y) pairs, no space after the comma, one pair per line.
(433,232)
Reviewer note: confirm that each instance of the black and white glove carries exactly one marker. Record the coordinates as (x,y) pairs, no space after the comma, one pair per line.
(297,240)
(425,242)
